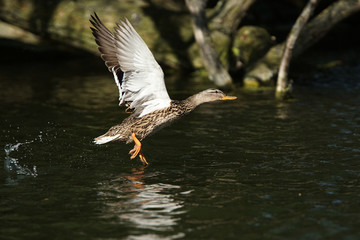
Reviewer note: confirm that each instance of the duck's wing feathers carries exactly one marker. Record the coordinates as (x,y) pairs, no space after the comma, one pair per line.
(141,86)
(106,42)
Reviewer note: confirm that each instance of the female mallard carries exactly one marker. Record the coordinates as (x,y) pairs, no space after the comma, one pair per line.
(141,86)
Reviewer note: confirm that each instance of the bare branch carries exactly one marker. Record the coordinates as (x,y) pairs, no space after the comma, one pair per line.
(263,71)
(283,88)
(217,73)
(324,22)
(231,13)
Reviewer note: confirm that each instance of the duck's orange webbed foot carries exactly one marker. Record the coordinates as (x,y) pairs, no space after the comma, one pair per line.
(137,150)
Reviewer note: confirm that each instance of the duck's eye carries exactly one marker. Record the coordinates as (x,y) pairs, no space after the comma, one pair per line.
(213,90)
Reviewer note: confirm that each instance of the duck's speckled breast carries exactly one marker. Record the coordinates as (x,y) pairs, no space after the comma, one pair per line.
(159,119)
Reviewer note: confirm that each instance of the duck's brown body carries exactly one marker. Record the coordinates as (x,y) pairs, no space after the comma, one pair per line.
(148,124)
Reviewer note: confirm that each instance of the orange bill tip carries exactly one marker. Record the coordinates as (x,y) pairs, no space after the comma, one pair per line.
(228,98)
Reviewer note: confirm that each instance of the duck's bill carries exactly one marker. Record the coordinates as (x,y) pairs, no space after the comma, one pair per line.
(229,98)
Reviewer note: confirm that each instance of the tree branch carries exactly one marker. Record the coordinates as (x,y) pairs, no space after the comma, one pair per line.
(263,71)
(231,14)
(217,73)
(283,87)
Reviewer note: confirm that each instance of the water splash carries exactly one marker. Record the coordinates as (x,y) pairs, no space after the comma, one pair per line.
(12,165)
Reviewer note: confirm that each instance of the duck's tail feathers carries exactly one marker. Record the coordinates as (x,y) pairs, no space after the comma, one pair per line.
(105,139)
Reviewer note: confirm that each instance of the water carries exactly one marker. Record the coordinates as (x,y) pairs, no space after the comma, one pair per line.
(11,165)
(253,168)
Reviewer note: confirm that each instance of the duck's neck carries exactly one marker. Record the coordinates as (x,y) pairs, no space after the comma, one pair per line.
(195,100)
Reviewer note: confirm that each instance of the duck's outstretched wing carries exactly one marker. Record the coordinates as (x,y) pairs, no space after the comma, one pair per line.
(138,76)
(106,42)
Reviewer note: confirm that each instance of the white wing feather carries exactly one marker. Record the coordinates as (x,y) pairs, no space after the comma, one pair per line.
(118,84)
(143,85)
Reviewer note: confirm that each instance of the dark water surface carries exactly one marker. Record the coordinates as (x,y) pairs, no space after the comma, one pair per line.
(248,169)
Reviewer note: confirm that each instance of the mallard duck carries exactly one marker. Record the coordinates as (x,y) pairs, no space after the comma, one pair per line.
(141,85)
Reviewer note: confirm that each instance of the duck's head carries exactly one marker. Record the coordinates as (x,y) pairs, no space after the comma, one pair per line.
(209,95)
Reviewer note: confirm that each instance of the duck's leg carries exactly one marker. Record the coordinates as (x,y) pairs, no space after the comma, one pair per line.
(137,147)
(142,158)
(137,150)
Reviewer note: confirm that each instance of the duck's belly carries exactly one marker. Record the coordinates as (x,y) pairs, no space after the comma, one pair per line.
(148,125)
(143,129)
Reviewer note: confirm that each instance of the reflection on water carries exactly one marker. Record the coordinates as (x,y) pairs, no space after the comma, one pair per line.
(131,201)
(282,110)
